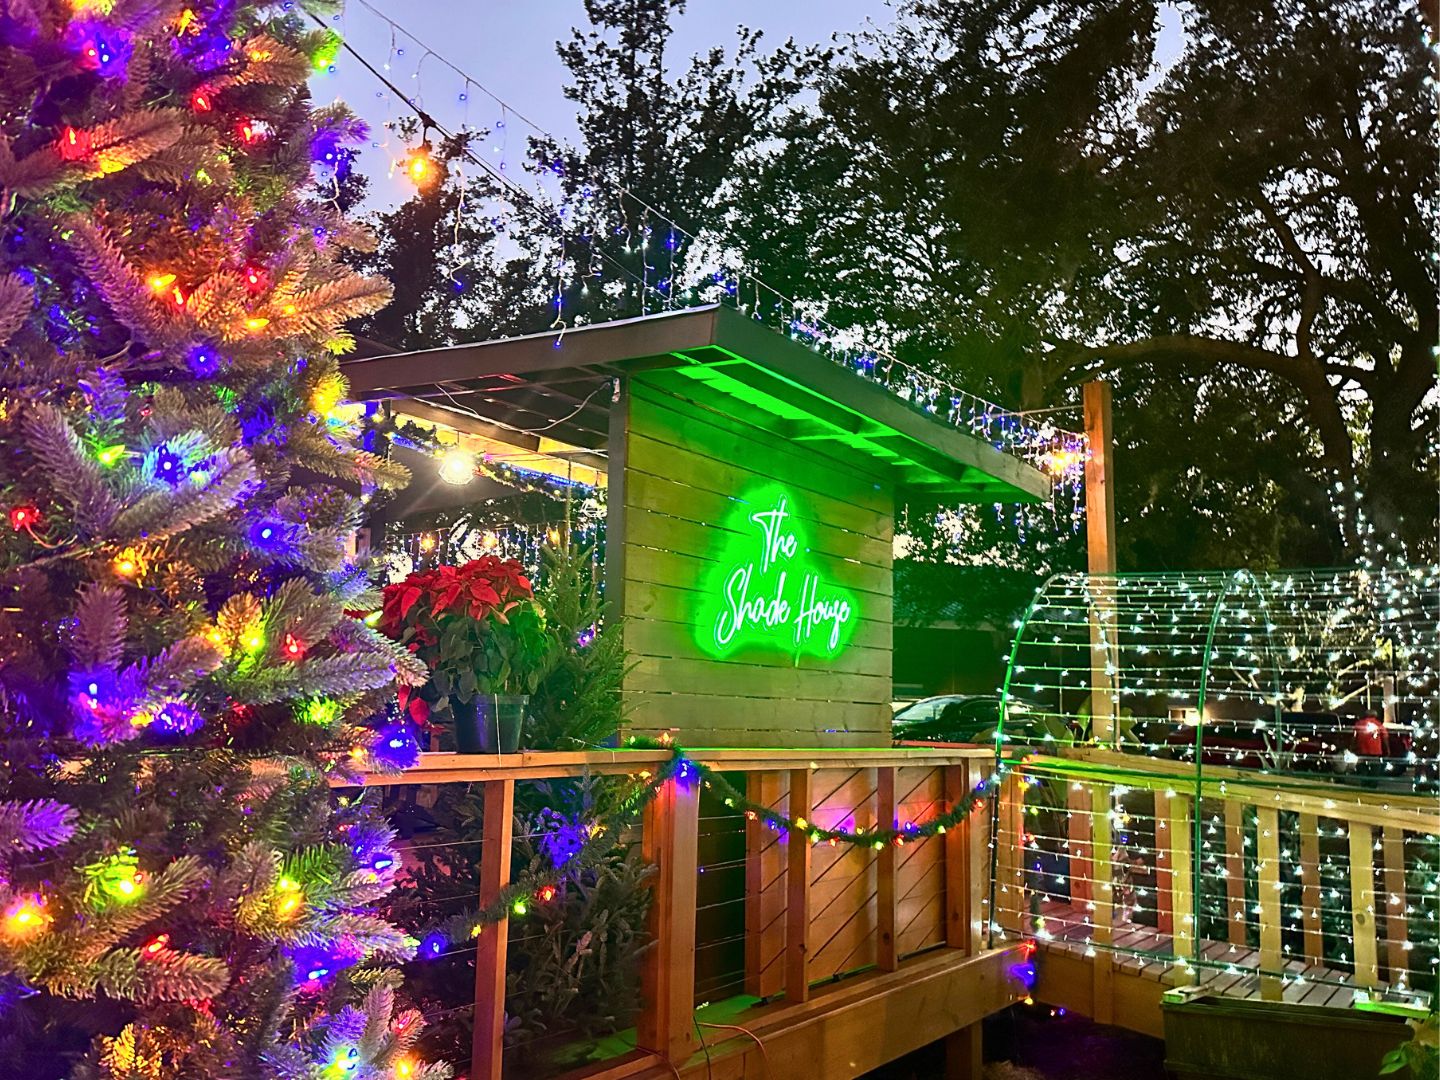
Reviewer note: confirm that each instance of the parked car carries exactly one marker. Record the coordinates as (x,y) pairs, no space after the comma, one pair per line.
(975,718)
(1301,742)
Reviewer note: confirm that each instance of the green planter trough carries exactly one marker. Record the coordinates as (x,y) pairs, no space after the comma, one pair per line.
(1214,1038)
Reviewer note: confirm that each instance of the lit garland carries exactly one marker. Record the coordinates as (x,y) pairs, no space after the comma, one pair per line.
(599,838)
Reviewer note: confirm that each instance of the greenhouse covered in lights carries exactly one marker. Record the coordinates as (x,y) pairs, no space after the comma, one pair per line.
(1318,671)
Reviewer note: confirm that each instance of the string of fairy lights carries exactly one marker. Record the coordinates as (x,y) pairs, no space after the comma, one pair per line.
(664,247)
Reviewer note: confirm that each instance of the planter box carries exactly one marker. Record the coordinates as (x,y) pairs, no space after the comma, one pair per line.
(1213,1038)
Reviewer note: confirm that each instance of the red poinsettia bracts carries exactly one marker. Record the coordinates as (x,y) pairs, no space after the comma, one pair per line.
(486,586)
(477,627)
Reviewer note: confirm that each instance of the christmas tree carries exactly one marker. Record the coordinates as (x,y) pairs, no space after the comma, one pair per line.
(180,893)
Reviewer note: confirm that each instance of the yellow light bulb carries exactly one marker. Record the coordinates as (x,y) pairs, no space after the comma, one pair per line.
(159,282)
(256,323)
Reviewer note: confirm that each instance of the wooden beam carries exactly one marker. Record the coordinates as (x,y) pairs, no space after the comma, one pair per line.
(1267,856)
(657,336)
(1099,479)
(853,1027)
(667,972)
(488,1042)
(887,955)
(1100,546)
(1396,924)
(797,895)
(446,767)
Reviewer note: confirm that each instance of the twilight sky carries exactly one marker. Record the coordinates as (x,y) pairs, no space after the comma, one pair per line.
(509,46)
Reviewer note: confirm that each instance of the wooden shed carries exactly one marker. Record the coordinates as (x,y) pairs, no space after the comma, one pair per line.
(752,492)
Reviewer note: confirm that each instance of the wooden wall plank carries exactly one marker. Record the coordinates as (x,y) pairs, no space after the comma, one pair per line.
(688,467)
(764,892)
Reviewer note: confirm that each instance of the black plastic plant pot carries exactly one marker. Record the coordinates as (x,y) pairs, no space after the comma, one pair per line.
(489,724)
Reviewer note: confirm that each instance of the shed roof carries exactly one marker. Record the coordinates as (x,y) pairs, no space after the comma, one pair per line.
(558,385)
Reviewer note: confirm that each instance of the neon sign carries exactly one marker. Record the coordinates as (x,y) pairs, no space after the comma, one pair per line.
(767,593)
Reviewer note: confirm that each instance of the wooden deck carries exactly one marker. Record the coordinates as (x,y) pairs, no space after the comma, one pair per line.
(1225,969)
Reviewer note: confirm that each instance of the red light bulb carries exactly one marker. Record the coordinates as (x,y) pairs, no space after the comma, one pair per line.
(23,516)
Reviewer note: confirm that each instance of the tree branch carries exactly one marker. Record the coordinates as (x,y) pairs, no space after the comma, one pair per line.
(1309,377)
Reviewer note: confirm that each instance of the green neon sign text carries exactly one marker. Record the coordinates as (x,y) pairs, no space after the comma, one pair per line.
(767,593)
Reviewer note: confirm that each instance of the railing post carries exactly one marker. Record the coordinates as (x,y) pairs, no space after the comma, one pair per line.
(667,974)
(1267,861)
(797,896)
(1310,888)
(1078,834)
(764,892)
(1235,874)
(1009,842)
(963,886)
(1362,903)
(1102,931)
(488,1042)
(1182,878)
(1396,930)
(887,951)
(1164,861)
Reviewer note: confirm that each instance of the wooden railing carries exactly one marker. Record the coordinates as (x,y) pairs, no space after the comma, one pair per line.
(1243,883)
(829,931)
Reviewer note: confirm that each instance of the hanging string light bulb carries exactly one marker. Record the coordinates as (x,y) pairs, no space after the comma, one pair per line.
(420,166)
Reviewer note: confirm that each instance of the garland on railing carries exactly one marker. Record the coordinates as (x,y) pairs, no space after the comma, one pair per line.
(599,837)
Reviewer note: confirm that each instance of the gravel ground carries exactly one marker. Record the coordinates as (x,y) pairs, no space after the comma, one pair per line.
(1031,1043)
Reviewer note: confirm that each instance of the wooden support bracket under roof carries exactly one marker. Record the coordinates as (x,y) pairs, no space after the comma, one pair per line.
(558,384)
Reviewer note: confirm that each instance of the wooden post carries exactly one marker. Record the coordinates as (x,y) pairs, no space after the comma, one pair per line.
(964,1054)
(797,896)
(1362,903)
(1100,539)
(1236,932)
(1010,856)
(887,951)
(1078,832)
(962,911)
(1267,857)
(488,1042)
(1310,888)
(1396,930)
(1182,878)
(667,973)
(1164,899)
(1102,933)
(764,892)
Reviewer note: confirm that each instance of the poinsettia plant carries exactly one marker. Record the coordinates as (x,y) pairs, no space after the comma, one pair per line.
(477,627)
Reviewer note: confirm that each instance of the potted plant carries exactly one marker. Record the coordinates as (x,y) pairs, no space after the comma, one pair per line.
(484,638)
